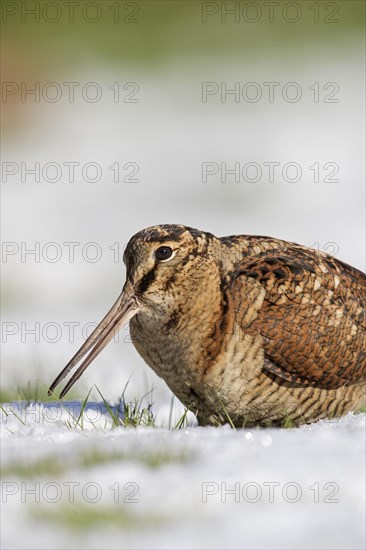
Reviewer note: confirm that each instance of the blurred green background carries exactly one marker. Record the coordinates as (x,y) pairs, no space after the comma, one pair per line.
(150,31)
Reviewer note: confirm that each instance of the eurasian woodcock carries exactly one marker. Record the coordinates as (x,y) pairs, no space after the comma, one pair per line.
(243,329)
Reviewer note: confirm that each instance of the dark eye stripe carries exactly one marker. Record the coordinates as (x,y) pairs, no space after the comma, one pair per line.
(146,281)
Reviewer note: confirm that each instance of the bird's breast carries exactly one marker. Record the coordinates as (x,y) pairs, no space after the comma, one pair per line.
(202,365)
(173,352)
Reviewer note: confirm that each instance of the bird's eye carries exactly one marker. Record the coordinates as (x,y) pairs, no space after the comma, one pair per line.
(163,253)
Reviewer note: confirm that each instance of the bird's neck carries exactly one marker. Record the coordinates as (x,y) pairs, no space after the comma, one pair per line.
(175,339)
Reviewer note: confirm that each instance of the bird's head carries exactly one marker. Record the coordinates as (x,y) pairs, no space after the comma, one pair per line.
(163,263)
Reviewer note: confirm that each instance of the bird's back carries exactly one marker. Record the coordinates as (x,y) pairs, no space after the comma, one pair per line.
(312,318)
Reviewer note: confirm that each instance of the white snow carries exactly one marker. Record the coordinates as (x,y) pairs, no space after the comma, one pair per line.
(194,488)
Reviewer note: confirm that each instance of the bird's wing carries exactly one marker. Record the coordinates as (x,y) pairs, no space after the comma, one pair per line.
(311,314)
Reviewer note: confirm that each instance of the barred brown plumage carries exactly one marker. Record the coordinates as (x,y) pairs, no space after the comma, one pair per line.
(250,329)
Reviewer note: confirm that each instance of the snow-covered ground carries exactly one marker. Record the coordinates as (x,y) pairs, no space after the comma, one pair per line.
(98,487)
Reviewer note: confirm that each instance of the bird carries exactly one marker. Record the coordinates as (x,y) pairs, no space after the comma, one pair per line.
(245,330)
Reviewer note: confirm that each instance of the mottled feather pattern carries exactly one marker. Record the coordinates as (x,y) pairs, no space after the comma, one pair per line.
(248,328)
(311,321)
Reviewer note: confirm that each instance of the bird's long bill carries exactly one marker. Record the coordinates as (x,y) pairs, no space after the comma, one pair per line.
(121,312)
